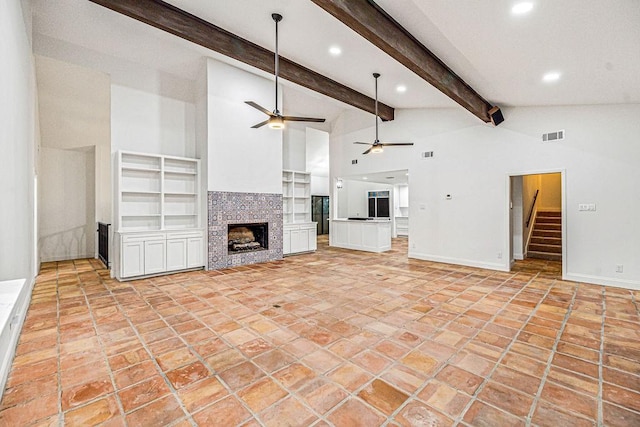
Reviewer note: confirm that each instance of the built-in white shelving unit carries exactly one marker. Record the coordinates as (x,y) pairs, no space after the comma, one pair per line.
(299,231)
(158,202)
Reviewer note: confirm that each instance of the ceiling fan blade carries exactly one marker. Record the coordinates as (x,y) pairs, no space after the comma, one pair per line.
(367,152)
(259,107)
(388,144)
(364,143)
(302,119)
(259,125)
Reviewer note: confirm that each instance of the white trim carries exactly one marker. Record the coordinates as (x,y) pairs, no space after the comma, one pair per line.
(600,280)
(531,226)
(563,185)
(19,311)
(461,261)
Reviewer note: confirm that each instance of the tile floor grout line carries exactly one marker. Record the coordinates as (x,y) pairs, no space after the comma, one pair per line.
(601,359)
(389,301)
(231,392)
(102,350)
(415,394)
(59,348)
(142,342)
(554,348)
(504,353)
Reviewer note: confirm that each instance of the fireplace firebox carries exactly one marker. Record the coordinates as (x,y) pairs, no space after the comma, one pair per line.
(247,237)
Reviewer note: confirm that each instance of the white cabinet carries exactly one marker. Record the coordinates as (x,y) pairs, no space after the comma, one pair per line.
(143,254)
(176,254)
(299,233)
(286,241)
(132,262)
(299,238)
(195,253)
(402,226)
(158,214)
(155,260)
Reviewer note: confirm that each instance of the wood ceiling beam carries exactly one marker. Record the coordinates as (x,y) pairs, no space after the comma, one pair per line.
(189,27)
(374,24)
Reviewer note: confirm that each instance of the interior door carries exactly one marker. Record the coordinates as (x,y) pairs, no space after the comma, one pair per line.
(320,213)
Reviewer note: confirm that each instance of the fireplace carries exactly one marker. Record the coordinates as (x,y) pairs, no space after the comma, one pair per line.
(247,237)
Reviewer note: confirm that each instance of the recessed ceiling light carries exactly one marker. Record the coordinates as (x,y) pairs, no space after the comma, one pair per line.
(364,177)
(401,88)
(335,51)
(550,77)
(522,8)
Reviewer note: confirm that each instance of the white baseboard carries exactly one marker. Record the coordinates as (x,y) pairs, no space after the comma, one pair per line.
(459,261)
(14,326)
(518,257)
(604,281)
(68,257)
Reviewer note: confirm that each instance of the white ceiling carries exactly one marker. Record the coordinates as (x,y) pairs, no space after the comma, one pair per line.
(595,45)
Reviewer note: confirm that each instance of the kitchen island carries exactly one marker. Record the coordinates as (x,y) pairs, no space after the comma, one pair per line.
(363,234)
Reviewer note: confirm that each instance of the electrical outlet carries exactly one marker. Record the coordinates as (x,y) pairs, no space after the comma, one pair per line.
(499,255)
(592,207)
(619,268)
(583,207)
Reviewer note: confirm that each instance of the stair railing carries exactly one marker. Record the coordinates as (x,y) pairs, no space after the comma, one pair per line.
(535,197)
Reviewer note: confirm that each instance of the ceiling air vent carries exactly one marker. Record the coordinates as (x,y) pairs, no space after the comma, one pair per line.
(553,136)
(426,154)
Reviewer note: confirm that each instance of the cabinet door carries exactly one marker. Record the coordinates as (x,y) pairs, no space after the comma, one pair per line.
(154,256)
(312,239)
(194,252)
(299,241)
(176,254)
(132,259)
(286,242)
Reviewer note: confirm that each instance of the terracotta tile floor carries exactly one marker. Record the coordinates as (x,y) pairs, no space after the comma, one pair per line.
(333,338)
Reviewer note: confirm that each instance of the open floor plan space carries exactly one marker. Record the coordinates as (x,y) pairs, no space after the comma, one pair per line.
(335,337)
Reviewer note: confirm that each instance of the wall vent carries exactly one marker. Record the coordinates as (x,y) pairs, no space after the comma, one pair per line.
(427,154)
(354,161)
(553,136)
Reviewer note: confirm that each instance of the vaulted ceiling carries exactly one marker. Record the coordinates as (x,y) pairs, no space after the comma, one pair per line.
(593,45)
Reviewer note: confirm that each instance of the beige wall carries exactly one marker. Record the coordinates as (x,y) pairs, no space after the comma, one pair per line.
(550,192)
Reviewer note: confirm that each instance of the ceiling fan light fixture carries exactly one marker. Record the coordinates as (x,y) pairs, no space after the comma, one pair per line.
(276,122)
(377,149)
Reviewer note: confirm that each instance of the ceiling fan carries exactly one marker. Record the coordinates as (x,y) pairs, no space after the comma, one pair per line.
(376,146)
(276,119)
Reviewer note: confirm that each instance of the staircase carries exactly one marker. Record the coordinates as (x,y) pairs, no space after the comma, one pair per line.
(546,239)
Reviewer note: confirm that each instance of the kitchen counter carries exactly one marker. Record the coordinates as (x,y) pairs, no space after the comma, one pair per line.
(371,235)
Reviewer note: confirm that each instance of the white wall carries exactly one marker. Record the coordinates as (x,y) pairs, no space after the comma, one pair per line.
(241,159)
(473,161)
(317,161)
(18,141)
(74,112)
(353,197)
(67,222)
(294,152)
(148,122)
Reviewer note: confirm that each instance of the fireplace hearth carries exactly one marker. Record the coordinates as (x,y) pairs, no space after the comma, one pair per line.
(247,237)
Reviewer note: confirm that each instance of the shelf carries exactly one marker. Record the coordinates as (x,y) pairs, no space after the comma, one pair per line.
(140,192)
(140,169)
(175,193)
(157,192)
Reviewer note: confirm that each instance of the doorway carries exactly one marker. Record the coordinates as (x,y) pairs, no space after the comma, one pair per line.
(66,205)
(320,213)
(537,219)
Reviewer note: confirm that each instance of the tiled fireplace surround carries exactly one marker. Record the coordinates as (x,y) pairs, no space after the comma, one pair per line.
(226,208)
